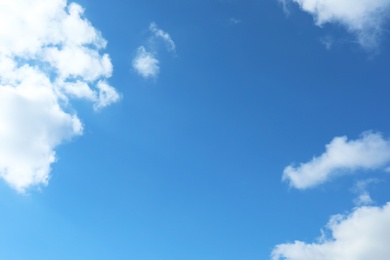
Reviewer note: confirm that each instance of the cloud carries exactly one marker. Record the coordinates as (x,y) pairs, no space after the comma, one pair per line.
(234,21)
(327,41)
(160,34)
(360,235)
(49,55)
(145,62)
(363,18)
(370,152)
(361,189)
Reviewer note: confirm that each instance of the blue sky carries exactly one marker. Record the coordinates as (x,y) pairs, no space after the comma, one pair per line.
(197,130)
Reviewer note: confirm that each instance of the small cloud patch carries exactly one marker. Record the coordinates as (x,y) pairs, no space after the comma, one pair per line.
(145,62)
(342,156)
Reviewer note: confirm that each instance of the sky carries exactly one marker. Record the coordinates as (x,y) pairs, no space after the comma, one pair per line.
(196,130)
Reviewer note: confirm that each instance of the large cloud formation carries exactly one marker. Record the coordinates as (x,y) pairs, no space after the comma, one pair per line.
(49,55)
(363,234)
(364,18)
(342,156)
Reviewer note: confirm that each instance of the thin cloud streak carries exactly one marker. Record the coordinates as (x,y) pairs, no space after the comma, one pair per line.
(160,34)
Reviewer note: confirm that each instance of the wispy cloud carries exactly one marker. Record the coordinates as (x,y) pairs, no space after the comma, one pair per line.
(364,18)
(342,156)
(361,190)
(160,34)
(49,55)
(328,41)
(234,21)
(145,62)
(362,234)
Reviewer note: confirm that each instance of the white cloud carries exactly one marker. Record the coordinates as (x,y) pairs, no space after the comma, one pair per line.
(364,198)
(364,18)
(370,152)
(361,189)
(363,234)
(49,54)
(106,95)
(158,33)
(145,63)
(32,124)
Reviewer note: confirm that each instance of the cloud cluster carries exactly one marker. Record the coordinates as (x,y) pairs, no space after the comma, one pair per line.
(363,234)
(49,55)
(145,62)
(342,156)
(363,18)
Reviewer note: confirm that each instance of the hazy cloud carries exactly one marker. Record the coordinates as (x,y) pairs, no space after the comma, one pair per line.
(49,55)
(371,151)
(234,21)
(363,18)
(360,235)
(361,190)
(327,41)
(160,34)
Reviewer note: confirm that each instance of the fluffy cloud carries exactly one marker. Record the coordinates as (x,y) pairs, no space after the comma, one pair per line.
(145,62)
(364,18)
(370,152)
(49,55)
(363,234)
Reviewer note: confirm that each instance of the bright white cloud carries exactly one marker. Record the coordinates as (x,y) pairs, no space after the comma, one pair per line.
(364,18)
(342,156)
(49,54)
(363,234)
(145,63)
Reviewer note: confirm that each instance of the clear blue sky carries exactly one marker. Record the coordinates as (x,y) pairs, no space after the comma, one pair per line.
(189,161)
